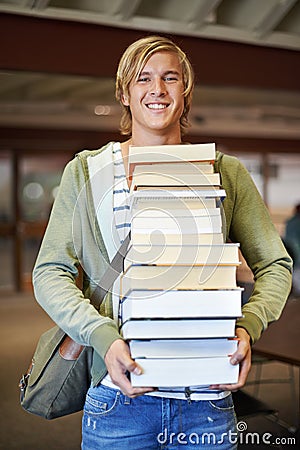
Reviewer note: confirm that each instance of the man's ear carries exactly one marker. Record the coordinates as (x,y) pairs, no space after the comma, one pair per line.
(125,100)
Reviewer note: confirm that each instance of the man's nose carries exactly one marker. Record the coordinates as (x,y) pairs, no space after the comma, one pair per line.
(157,87)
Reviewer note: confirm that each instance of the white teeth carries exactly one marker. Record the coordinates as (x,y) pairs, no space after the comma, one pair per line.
(156,106)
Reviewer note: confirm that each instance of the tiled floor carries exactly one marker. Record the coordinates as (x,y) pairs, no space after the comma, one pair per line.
(22,322)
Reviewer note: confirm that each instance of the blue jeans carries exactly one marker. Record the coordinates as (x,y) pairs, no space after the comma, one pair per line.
(113,421)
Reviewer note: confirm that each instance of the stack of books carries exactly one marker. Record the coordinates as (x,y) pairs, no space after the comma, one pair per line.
(179,298)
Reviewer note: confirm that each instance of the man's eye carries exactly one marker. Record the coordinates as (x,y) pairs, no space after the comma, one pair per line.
(143,79)
(170,79)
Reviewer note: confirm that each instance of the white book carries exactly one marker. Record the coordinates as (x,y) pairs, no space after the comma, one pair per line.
(182,255)
(175,179)
(185,372)
(172,153)
(181,225)
(178,328)
(159,213)
(144,304)
(159,238)
(156,194)
(176,204)
(182,348)
(177,167)
(178,277)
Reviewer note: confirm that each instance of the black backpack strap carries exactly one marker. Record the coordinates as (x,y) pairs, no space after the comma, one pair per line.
(111,274)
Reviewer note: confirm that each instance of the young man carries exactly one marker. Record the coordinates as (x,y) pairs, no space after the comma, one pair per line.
(88,222)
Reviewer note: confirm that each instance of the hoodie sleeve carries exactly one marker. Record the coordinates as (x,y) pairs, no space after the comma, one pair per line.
(69,233)
(249,223)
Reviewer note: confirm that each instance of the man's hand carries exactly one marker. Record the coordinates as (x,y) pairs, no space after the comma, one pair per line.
(118,362)
(242,356)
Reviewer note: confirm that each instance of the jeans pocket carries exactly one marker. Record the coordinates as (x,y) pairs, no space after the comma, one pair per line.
(222,404)
(101,401)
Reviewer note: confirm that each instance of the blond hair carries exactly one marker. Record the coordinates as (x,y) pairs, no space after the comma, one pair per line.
(132,62)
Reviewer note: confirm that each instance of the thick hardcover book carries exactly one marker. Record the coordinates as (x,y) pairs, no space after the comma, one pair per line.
(172,153)
(156,212)
(178,277)
(185,372)
(173,225)
(158,194)
(160,238)
(193,206)
(182,348)
(175,179)
(177,167)
(146,304)
(178,328)
(182,255)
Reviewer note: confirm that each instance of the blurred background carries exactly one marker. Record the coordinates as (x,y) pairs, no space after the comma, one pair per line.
(58,60)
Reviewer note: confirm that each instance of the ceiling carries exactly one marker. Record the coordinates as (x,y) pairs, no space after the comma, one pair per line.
(49,100)
(267,22)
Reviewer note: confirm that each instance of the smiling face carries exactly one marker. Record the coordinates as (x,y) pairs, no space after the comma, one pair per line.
(156,100)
